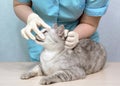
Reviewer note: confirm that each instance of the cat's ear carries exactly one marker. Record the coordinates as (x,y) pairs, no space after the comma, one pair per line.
(55,26)
(60,31)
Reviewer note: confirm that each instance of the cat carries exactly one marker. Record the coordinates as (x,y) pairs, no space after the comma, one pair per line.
(60,64)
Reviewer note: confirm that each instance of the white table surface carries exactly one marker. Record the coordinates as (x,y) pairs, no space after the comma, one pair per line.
(10,73)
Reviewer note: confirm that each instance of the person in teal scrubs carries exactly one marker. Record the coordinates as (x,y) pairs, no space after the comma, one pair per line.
(81,17)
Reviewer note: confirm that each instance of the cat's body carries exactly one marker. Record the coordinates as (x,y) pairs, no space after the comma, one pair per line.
(59,64)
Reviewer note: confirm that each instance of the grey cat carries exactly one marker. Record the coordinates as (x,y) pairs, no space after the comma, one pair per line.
(58,64)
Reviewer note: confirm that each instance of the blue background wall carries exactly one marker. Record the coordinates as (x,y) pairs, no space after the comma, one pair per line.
(14,48)
(12,45)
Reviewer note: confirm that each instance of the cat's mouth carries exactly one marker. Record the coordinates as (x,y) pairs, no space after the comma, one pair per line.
(38,37)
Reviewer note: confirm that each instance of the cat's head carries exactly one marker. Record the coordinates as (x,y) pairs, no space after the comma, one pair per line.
(54,38)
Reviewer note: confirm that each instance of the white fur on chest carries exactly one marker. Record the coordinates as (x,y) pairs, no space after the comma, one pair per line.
(48,55)
(47,59)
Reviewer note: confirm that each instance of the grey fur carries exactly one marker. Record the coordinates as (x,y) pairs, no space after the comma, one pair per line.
(58,64)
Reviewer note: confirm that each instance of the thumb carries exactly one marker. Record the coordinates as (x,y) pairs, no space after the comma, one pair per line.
(40,22)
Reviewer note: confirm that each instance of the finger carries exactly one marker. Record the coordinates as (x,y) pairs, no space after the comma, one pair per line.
(38,32)
(23,34)
(66,32)
(41,35)
(43,24)
(70,39)
(68,47)
(69,44)
(29,34)
(71,34)
(43,30)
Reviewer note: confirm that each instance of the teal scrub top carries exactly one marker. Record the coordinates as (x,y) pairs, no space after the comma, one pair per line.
(68,12)
(65,12)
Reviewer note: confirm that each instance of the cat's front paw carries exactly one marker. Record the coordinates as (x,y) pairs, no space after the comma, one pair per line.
(27,75)
(45,81)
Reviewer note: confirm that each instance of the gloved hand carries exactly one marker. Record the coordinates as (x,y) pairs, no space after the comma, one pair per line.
(72,39)
(33,22)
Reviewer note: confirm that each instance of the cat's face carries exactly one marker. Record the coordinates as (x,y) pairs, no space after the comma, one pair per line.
(53,38)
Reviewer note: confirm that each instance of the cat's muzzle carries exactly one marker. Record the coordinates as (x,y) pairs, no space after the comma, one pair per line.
(38,38)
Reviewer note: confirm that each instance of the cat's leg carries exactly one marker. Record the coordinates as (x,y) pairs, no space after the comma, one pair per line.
(63,75)
(36,71)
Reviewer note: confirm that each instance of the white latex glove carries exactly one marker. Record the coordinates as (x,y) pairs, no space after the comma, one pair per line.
(71,40)
(33,22)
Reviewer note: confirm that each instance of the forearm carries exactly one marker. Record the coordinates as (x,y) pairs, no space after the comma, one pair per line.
(22,10)
(85,30)
(87,26)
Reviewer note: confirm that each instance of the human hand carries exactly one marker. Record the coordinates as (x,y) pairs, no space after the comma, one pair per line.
(33,22)
(72,39)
